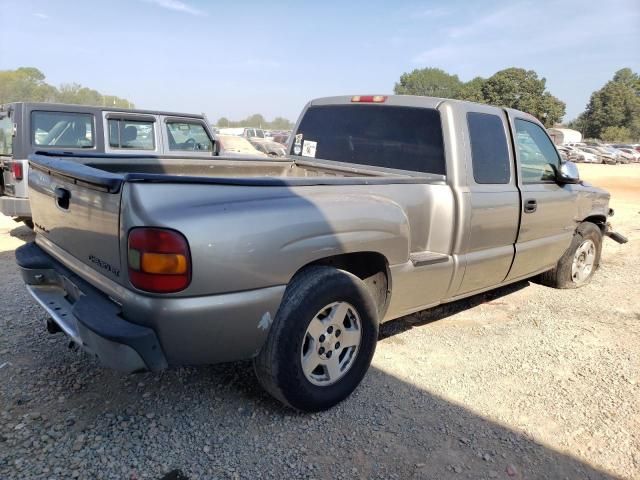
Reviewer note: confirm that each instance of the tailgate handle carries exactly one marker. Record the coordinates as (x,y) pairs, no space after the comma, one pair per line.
(62,197)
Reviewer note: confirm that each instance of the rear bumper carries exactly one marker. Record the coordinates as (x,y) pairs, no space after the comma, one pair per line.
(162,330)
(15,207)
(87,316)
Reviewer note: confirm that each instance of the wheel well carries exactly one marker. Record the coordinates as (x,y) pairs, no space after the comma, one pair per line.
(599,220)
(371,267)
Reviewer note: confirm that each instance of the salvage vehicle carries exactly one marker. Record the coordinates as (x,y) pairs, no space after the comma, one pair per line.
(603,157)
(385,206)
(233,146)
(26,128)
(578,156)
(269,147)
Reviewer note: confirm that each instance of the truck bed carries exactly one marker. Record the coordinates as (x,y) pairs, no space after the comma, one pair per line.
(111,171)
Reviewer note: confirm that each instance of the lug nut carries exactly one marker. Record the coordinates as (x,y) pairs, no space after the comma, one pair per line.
(338,332)
(321,350)
(330,329)
(321,338)
(329,353)
(337,345)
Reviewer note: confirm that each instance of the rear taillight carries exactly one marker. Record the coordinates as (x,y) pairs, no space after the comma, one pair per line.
(16,170)
(368,99)
(159,260)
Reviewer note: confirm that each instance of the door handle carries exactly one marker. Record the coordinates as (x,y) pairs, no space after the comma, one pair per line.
(530,205)
(62,197)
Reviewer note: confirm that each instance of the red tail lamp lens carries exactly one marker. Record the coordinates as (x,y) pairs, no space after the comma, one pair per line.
(16,170)
(159,260)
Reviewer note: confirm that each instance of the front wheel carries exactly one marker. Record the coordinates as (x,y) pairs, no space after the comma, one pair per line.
(321,342)
(580,261)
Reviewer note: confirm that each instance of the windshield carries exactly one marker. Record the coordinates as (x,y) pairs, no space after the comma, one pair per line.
(403,138)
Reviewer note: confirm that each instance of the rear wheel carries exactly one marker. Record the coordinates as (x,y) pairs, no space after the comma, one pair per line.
(321,342)
(580,261)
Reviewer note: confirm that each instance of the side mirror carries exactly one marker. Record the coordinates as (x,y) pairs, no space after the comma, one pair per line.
(568,173)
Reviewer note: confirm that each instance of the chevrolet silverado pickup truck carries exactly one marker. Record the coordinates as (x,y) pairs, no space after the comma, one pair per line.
(26,128)
(385,205)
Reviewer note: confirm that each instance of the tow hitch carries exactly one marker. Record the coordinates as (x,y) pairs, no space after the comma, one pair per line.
(616,237)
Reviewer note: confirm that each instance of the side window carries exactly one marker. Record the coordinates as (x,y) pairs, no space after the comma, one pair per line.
(62,129)
(6,134)
(539,159)
(188,137)
(131,134)
(489,152)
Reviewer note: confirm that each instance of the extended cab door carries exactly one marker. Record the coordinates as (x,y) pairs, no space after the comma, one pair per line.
(494,203)
(547,217)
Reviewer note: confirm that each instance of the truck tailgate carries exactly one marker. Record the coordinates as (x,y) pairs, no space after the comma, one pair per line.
(77,208)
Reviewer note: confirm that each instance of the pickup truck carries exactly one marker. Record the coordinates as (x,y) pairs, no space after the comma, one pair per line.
(386,205)
(26,128)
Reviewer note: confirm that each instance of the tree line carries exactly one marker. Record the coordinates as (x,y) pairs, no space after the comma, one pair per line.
(256,120)
(27,84)
(612,114)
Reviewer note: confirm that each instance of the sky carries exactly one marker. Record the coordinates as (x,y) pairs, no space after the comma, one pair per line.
(235,58)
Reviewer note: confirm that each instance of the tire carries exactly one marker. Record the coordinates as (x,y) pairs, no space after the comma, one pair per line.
(318,300)
(586,243)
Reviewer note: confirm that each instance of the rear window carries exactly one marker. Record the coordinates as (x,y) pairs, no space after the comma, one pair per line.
(62,129)
(489,153)
(403,138)
(131,134)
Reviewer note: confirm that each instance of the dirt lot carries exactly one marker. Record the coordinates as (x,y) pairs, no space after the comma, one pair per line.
(524,382)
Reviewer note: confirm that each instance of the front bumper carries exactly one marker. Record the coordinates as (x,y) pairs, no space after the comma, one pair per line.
(15,207)
(87,316)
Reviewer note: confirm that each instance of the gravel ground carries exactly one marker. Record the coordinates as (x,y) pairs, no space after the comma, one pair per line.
(522,382)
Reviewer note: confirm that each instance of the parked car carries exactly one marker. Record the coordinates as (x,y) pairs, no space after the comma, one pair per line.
(233,146)
(580,156)
(623,157)
(281,138)
(386,205)
(601,156)
(247,132)
(563,152)
(634,155)
(27,127)
(268,147)
(608,151)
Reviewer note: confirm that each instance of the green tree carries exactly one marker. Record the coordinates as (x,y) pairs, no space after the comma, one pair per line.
(523,90)
(616,104)
(616,134)
(430,82)
(280,123)
(27,84)
(256,120)
(513,87)
(472,90)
